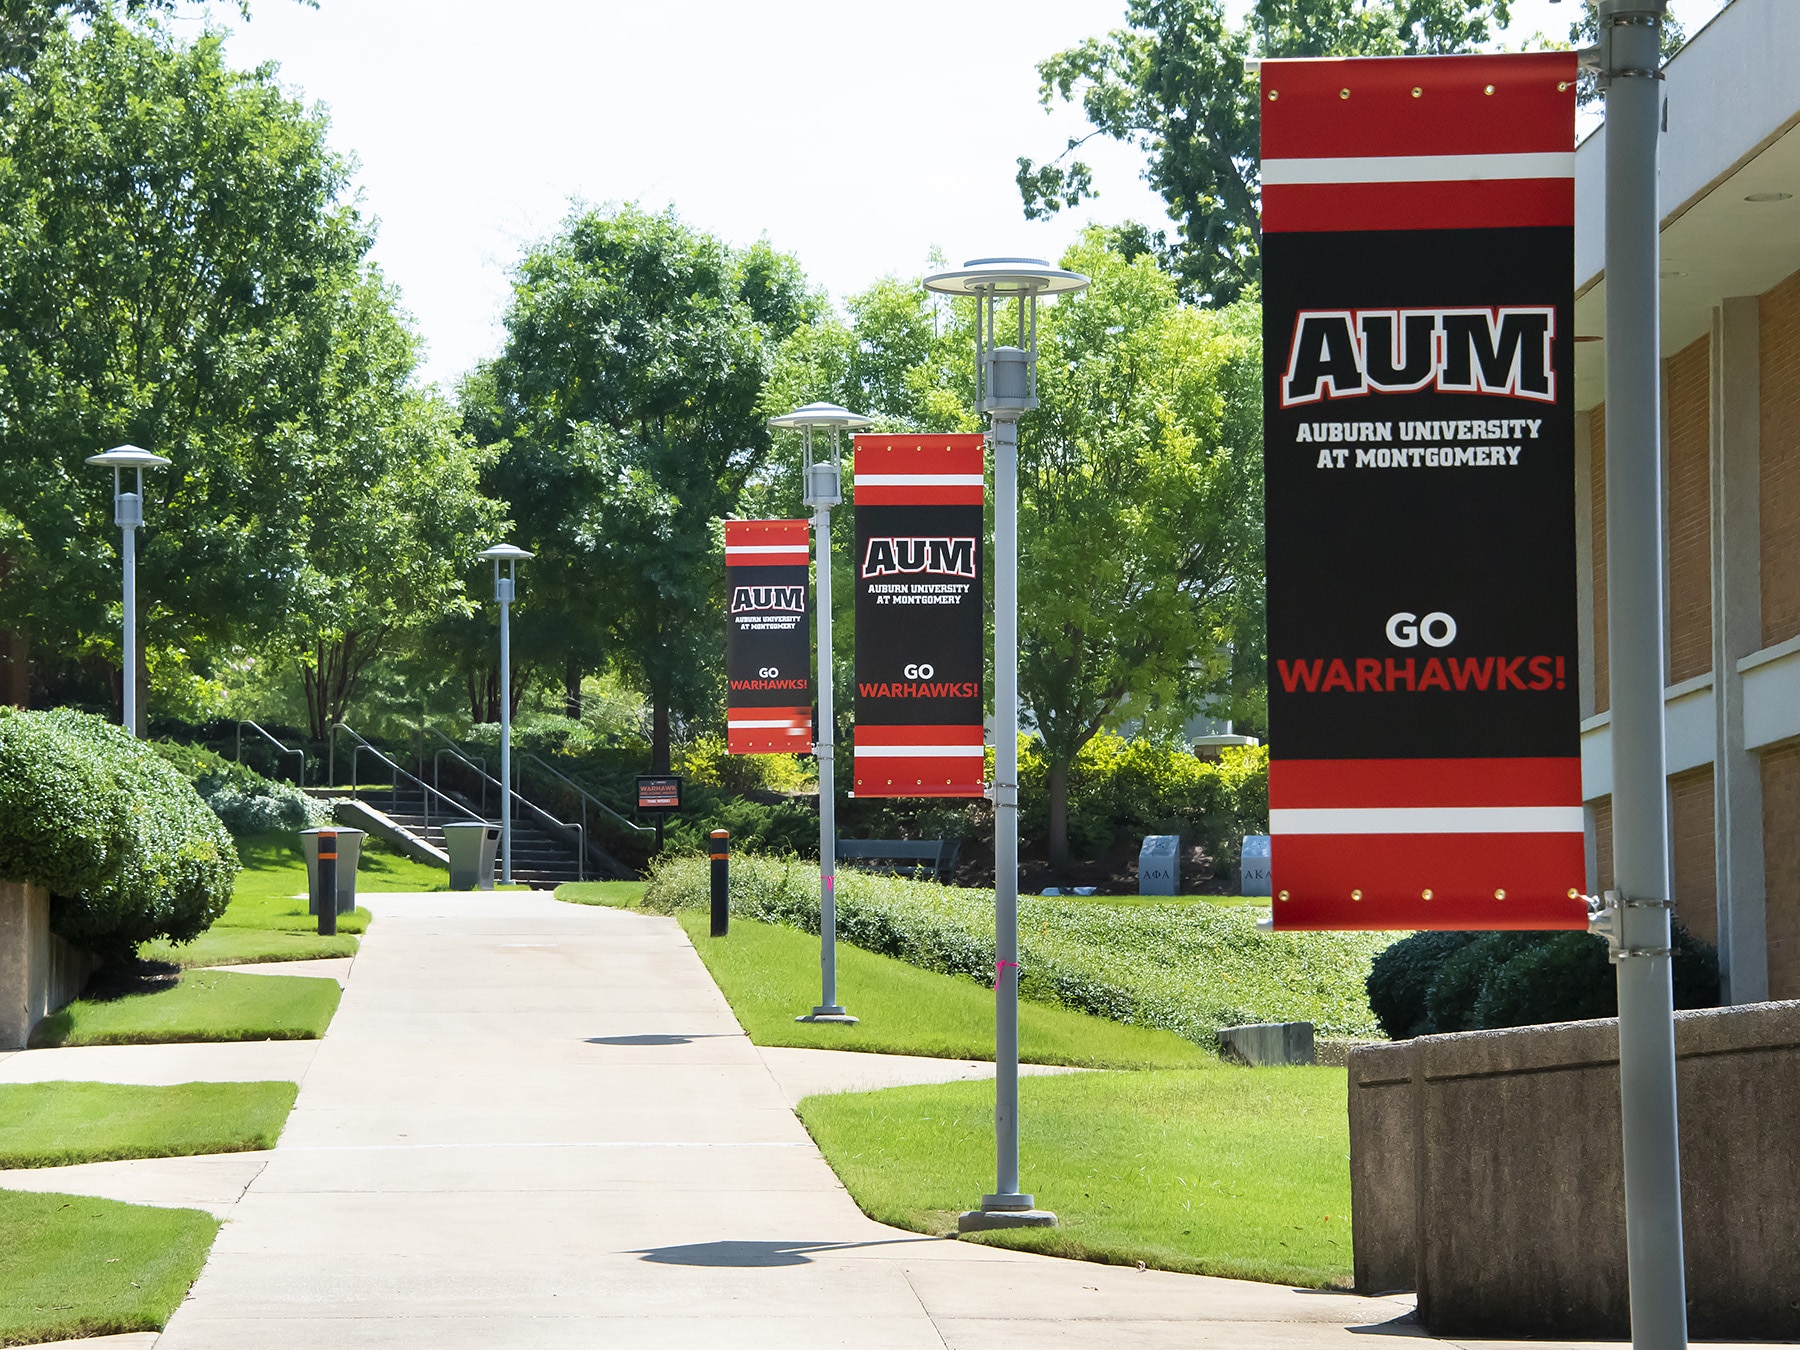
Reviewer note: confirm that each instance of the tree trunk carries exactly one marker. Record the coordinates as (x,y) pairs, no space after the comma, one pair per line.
(572,690)
(15,647)
(659,733)
(1059,817)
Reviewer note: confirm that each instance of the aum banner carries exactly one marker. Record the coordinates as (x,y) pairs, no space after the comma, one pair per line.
(768,659)
(919,616)
(1418,278)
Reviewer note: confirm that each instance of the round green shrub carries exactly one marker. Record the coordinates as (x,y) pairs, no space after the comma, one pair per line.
(1442,982)
(124,845)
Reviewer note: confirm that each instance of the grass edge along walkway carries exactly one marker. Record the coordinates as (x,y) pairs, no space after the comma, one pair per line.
(1240,1173)
(61,1124)
(202,1005)
(73,1266)
(769,974)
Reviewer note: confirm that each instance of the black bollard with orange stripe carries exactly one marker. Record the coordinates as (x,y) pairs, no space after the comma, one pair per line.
(721,882)
(328,897)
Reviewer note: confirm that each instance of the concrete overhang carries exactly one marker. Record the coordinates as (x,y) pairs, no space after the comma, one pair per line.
(1733,97)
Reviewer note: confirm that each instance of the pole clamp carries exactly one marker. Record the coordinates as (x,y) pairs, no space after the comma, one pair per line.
(1004,794)
(1606,914)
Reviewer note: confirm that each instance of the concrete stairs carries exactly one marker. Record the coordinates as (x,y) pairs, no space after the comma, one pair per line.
(539,858)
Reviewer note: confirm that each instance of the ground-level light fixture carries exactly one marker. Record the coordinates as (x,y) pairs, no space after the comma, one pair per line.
(822,488)
(510,554)
(1005,387)
(128,514)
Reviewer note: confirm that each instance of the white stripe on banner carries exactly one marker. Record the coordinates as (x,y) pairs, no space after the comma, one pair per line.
(919,480)
(920,751)
(1428,820)
(734,550)
(1418,168)
(737,725)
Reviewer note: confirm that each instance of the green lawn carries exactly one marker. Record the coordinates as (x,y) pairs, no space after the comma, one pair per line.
(613,894)
(57,1124)
(769,973)
(265,922)
(1232,1172)
(71,1266)
(203,1005)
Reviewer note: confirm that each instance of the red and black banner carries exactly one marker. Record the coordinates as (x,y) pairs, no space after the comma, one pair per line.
(919,616)
(1418,292)
(768,658)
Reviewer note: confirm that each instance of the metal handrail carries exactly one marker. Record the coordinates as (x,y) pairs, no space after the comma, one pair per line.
(399,773)
(452,748)
(585,795)
(579,828)
(480,772)
(246,722)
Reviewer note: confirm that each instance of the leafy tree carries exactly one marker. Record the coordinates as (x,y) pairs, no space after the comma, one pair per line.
(392,507)
(627,410)
(1178,82)
(1140,509)
(174,252)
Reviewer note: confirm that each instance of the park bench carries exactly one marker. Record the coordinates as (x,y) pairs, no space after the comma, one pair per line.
(922,859)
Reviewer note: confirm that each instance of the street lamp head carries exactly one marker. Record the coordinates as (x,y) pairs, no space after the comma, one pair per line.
(1006,375)
(826,415)
(1008,277)
(820,482)
(128,457)
(505,553)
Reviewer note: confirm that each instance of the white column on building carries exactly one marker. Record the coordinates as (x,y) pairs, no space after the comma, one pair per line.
(1736,632)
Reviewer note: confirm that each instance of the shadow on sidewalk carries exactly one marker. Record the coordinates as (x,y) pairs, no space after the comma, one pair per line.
(663,1038)
(757,1253)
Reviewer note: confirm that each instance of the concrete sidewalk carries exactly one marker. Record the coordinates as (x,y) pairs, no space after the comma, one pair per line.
(536,1124)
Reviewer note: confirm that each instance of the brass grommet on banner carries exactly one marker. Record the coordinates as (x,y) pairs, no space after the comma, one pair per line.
(1284,895)
(1343,93)
(1488,90)
(1417,92)
(1574,894)
(1274,94)
(1356,895)
(1499,895)
(1425,894)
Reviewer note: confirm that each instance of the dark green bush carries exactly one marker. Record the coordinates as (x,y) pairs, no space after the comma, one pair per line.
(1440,982)
(1401,977)
(124,845)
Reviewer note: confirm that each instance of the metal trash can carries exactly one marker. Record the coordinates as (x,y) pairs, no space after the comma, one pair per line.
(1253,866)
(349,851)
(1159,865)
(472,846)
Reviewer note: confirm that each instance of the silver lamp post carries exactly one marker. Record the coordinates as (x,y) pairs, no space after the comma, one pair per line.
(1005,387)
(822,489)
(509,554)
(1635,917)
(128,514)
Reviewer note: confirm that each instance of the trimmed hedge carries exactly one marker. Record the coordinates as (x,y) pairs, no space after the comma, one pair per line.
(244,801)
(124,845)
(1440,982)
(1188,968)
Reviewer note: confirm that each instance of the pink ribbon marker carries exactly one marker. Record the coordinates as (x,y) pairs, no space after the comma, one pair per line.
(1000,969)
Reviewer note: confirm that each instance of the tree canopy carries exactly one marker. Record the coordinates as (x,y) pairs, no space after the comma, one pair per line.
(626,408)
(1179,82)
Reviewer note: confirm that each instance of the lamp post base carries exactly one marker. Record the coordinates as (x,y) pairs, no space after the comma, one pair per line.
(1005,1211)
(829,1013)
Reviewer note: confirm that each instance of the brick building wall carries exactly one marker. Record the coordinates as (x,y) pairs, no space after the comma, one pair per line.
(1691,849)
(1780,467)
(1781,867)
(1689,380)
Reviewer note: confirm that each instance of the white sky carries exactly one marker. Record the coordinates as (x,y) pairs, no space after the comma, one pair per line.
(854,135)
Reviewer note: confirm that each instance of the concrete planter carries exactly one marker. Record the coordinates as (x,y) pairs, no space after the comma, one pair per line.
(39,972)
(1485,1174)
